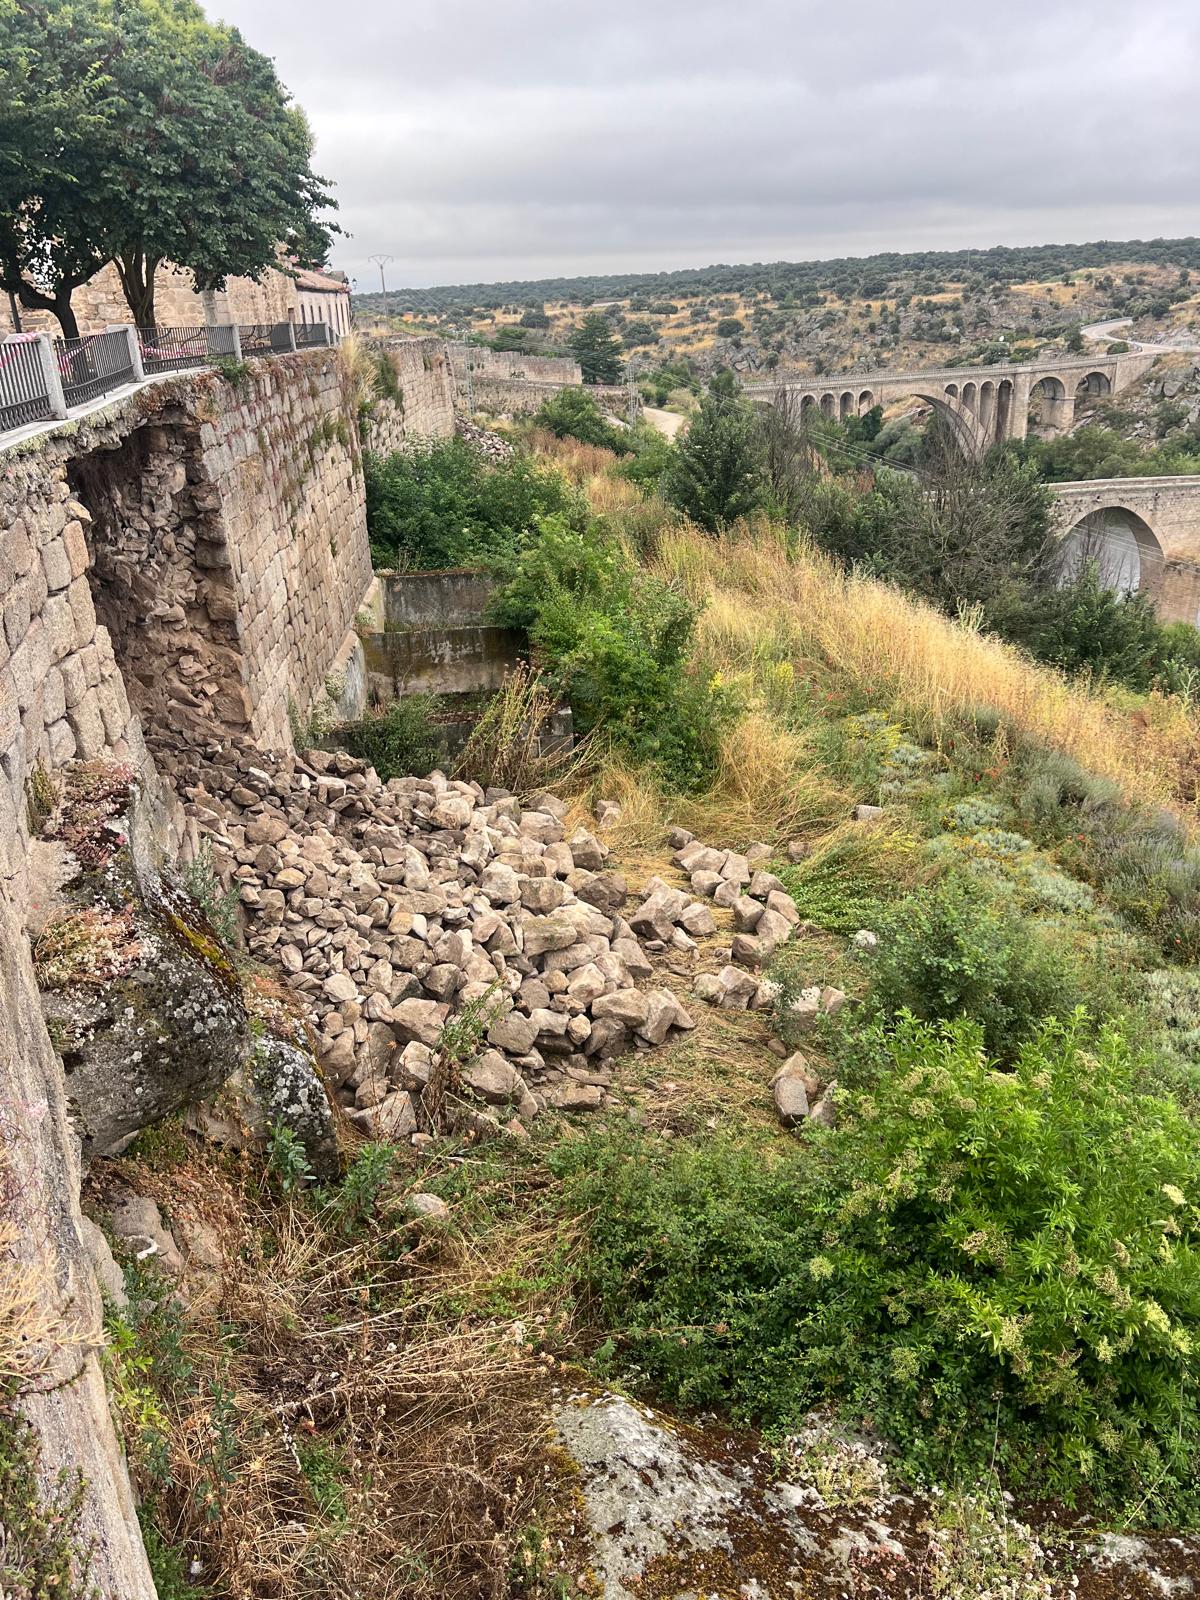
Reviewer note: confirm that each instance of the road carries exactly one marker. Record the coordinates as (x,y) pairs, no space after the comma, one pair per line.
(668,422)
(1108,331)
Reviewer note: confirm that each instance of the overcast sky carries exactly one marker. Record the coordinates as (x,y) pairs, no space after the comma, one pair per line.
(484,139)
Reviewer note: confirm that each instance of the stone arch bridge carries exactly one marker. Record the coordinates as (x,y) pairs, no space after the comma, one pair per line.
(1143,532)
(982,405)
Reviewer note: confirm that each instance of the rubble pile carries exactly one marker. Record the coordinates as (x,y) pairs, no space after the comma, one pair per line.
(394,908)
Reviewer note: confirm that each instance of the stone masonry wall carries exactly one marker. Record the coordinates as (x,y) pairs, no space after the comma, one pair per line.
(220,564)
(225,547)
(513,365)
(425,407)
(283,457)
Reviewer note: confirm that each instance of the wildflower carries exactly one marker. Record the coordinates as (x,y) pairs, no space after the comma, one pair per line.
(1174,1195)
(821,1268)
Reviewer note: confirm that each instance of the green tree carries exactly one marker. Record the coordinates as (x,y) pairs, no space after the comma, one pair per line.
(574,414)
(169,139)
(718,471)
(510,337)
(597,349)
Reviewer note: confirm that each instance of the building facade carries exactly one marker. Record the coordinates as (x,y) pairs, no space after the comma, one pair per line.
(280,297)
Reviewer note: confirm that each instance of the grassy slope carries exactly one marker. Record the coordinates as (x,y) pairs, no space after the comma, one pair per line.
(419,1344)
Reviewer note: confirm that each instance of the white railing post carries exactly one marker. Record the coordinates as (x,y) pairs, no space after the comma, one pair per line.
(51,376)
(135,348)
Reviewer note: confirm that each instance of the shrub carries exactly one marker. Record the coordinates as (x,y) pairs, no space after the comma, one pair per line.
(399,741)
(617,641)
(952,952)
(988,1264)
(445,506)
(574,414)
(717,474)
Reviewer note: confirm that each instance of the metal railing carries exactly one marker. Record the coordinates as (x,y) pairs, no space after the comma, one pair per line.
(24,392)
(91,366)
(42,379)
(171,349)
(313,335)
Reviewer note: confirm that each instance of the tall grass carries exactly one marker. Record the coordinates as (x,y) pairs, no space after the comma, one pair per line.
(771,600)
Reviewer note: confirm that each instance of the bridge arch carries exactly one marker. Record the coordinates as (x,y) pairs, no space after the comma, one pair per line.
(1094,383)
(1123,545)
(807,402)
(960,422)
(846,406)
(828,404)
(865,401)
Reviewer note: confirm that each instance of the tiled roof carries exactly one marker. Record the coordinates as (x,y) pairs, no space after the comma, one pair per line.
(321,283)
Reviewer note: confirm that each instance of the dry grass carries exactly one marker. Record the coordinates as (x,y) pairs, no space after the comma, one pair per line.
(356,1434)
(768,606)
(577,461)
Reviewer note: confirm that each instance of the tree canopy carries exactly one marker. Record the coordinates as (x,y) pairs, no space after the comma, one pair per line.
(136,131)
(597,349)
(718,471)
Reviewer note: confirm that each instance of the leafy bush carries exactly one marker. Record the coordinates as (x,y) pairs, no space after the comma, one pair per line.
(399,741)
(652,459)
(617,641)
(1083,626)
(574,414)
(953,952)
(445,506)
(988,1264)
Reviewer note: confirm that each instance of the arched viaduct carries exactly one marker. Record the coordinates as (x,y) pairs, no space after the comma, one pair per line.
(982,405)
(1145,534)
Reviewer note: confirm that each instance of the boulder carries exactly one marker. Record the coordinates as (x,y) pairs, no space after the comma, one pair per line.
(137,1222)
(746,914)
(421,1020)
(542,934)
(791,1100)
(697,920)
(492,1078)
(606,891)
(627,1006)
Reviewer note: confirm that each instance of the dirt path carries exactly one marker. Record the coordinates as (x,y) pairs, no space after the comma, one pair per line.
(668,422)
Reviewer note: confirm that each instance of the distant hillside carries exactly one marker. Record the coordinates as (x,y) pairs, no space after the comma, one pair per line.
(860,277)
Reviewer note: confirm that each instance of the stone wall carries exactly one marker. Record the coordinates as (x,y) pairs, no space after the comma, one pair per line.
(195,552)
(513,365)
(283,460)
(423,407)
(198,548)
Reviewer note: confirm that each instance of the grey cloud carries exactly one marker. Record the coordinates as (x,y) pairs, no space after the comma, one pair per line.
(474,140)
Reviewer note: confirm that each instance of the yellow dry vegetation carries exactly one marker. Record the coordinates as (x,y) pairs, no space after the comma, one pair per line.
(772,604)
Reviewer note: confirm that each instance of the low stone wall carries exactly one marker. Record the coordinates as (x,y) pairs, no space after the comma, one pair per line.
(516,397)
(512,366)
(424,407)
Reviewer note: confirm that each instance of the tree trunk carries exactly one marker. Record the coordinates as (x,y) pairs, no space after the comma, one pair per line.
(59,305)
(137,272)
(66,316)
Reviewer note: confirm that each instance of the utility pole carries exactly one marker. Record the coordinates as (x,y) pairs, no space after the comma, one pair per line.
(381,262)
(631,381)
